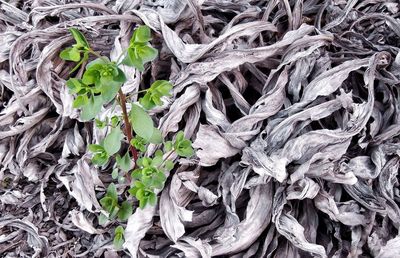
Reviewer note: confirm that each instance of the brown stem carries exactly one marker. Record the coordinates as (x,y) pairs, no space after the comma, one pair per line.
(128,126)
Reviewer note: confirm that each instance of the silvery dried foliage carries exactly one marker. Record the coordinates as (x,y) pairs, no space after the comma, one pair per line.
(293,106)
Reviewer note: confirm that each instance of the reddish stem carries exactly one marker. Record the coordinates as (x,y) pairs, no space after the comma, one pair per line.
(128,126)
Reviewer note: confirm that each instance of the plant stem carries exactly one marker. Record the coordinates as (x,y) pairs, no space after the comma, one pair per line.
(120,56)
(97,54)
(128,126)
(166,158)
(138,92)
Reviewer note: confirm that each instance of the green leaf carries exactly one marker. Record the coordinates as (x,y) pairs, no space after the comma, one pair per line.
(96,148)
(125,211)
(146,161)
(118,237)
(182,146)
(140,194)
(119,230)
(100,156)
(108,203)
(169,165)
(139,143)
(141,35)
(97,63)
(102,219)
(109,91)
(147,101)
(161,86)
(114,121)
(100,124)
(84,59)
(79,38)
(158,180)
(114,173)
(120,77)
(112,142)
(168,146)
(137,186)
(156,137)
(180,136)
(159,153)
(100,159)
(184,149)
(141,122)
(112,192)
(148,172)
(147,53)
(157,161)
(70,54)
(142,203)
(92,108)
(136,174)
(124,163)
(80,101)
(75,85)
(152,199)
(90,76)
(133,59)
(114,212)
(153,95)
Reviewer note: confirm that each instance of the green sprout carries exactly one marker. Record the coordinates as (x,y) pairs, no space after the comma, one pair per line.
(100,85)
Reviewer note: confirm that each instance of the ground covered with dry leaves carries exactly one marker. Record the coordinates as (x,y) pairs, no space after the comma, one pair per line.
(293,107)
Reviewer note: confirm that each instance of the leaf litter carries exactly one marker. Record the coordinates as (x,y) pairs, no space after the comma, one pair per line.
(293,107)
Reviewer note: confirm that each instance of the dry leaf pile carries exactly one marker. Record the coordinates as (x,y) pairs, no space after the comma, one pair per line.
(293,107)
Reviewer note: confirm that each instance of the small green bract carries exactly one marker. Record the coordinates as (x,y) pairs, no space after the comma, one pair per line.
(137,177)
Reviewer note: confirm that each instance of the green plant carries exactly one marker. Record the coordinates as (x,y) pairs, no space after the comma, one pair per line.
(100,85)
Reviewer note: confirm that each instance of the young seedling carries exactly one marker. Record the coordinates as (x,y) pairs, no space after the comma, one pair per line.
(100,85)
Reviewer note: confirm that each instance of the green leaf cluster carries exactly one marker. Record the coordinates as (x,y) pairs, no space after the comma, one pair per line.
(124,162)
(183,146)
(74,53)
(115,209)
(99,85)
(139,143)
(100,155)
(153,95)
(140,51)
(119,237)
(108,147)
(79,52)
(104,77)
(101,80)
(148,176)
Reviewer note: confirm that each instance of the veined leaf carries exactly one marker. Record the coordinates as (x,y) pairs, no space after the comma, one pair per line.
(156,137)
(141,35)
(80,101)
(112,142)
(79,38)
(70,54)
(124,162)
(133,59)
(125,211)
(112,192)
(141,122)
(118,237)
(147,53)
(92,108)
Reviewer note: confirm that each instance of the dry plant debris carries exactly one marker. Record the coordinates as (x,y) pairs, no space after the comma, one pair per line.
(293,107)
